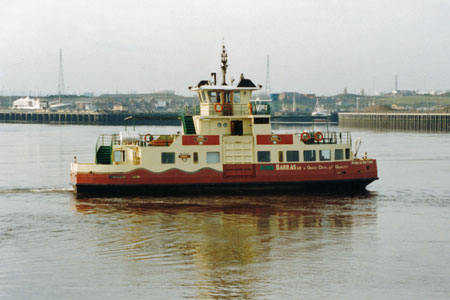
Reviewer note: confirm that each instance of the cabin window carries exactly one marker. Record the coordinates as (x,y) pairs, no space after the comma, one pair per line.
(236,96)
(338,154)
(292,156)
(213,97)
(119,156)
(195,157)
(213,157)
(204,97)
(263,156)
(309,155)
(324,155)
(347,153)
(280,156)
(168,157)
(227,98)
(261,120)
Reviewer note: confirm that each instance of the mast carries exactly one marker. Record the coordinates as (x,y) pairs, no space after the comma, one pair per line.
(224,65)
(61,76)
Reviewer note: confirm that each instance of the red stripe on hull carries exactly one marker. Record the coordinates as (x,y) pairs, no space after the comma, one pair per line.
(257,173)
(274,139)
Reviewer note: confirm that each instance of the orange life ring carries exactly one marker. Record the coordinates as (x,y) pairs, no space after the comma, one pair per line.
(218,107)
(250,109)
(305,136)
(148,138)
(318,136)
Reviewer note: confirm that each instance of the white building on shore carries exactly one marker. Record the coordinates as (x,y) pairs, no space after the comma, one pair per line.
(27,103)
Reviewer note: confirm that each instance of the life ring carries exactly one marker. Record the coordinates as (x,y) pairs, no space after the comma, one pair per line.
(250,109)
(305,136)
(148,138)
(218,107)
(318,136)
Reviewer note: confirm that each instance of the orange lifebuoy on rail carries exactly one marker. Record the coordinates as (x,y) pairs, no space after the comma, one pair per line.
(218,107)
(148,138)
(318,136)
(305,136)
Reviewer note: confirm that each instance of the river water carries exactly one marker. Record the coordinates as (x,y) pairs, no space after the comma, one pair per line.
(391,243)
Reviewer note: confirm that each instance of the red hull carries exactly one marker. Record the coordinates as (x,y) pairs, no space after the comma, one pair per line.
(362,171)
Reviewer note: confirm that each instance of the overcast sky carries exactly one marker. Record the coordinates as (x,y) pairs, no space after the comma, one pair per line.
(315,46)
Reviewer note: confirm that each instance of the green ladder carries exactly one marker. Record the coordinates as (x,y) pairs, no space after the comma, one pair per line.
(103,155)
(188,125)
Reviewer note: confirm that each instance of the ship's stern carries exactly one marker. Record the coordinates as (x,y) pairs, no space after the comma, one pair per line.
(73,174)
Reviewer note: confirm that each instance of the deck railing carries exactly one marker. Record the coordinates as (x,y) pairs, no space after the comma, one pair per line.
(104,140)
(327,137)
(235,109)
(145,140)
(217,109)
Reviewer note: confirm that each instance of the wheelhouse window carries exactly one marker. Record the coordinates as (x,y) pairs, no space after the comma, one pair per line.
(324,155)
(237,97)
(213,97)
(263,156)
(168,157)
(119,156)
(212,157)
(338,154)
(200,97)
(227,98)
(309,155)
(292,156)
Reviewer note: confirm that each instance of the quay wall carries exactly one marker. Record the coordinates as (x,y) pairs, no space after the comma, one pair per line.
(85,118)
(109,118)
(427,122)
(303,118)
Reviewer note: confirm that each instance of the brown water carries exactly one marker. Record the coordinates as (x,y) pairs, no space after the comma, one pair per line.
(391,243)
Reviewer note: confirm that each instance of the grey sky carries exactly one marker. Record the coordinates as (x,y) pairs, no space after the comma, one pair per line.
(318,46)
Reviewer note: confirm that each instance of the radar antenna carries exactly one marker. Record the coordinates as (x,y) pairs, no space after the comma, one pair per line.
(224,65)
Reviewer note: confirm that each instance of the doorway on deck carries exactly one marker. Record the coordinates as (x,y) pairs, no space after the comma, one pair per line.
(236,128)
(227,104)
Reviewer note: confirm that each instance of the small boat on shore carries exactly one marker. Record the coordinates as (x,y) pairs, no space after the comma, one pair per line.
(228,146)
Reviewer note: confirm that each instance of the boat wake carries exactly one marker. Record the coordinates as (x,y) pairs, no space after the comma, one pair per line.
(36,190)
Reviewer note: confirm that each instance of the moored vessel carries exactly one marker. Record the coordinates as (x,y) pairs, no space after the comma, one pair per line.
(319,110)
(229,145)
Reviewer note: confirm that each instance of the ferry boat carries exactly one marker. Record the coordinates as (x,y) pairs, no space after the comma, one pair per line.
(227,146)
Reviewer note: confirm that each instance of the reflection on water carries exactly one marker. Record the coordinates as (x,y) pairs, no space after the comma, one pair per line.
(228,242)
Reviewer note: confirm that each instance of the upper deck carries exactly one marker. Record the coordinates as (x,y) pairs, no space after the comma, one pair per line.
(227,109)
(224,100)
